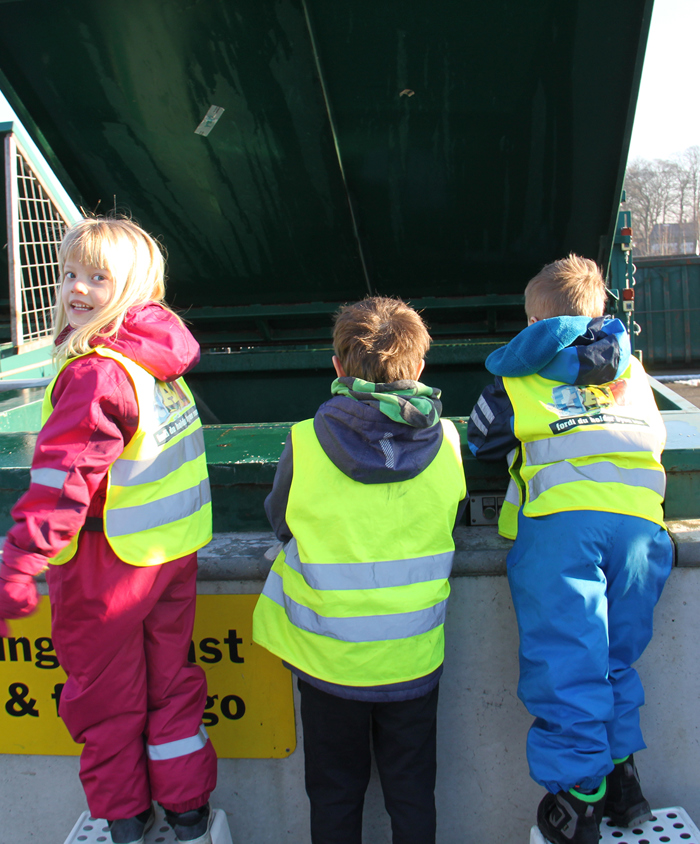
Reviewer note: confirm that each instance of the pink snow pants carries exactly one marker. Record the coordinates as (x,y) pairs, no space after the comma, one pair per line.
(122,635)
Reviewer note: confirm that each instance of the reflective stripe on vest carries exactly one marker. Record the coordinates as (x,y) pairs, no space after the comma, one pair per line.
(158,501)
(376,628)
(369,575)
(589,448)
(508,517)
(133,472)
(164,511)
(602,473)
(358,597)
(588,444)
(512,494)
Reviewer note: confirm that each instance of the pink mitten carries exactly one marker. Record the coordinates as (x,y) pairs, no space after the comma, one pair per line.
(18,595)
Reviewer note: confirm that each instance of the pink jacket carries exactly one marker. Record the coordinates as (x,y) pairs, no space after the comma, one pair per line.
(95,415)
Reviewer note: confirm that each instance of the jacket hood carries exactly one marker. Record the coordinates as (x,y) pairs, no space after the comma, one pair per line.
(154,338)
(568,349)
(369,446)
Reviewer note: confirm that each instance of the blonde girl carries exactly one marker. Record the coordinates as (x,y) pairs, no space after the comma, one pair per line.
(117,508)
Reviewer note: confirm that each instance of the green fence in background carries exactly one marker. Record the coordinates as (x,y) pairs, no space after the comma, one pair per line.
(667,309)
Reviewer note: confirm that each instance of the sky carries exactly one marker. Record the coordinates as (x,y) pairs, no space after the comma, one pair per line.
(667,120)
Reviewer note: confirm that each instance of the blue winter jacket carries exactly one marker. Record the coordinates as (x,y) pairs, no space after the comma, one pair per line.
(569,349)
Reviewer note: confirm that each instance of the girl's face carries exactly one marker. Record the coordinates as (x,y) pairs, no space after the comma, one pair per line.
(85,291)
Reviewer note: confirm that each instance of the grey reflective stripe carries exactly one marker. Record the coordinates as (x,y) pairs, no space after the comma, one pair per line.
(127,520)
(388,450)
(54,478)
(181,747)
(485,409)
(135,472)
(602,473)
(513,493)
(370,575)
(479,424)
(510,457)
(367,628)
(589,443)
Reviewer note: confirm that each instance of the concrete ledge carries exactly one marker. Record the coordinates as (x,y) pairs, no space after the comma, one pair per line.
(479,551)
(241,556)
(237,556)
(686,540)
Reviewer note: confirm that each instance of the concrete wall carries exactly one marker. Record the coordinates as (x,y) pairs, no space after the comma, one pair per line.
(484,792)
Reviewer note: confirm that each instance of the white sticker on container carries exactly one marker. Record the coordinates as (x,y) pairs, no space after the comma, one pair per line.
(209,121)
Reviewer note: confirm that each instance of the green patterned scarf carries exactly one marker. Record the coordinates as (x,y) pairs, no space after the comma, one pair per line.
(409,402)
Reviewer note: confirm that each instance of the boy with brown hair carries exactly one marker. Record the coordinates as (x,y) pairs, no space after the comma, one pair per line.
(573,411)
(365,499)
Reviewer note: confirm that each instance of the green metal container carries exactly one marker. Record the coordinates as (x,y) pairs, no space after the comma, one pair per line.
(297,154)
(667,296)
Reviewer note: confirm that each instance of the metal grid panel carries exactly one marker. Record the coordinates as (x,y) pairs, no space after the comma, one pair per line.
(667,826)
(89,830)
(37,228)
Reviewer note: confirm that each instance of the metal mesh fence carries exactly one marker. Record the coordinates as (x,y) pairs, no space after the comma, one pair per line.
(40,229)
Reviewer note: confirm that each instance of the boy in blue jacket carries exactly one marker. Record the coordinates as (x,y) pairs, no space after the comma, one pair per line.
(572,410)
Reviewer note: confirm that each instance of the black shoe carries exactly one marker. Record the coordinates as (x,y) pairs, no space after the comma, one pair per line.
(191,827)
(132,830)
(625,804)
(564,819)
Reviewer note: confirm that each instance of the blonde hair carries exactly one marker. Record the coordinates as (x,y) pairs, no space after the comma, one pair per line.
(380,339)
(572,286)
(135,262)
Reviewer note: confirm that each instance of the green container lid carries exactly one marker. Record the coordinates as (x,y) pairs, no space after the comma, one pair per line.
(404,147)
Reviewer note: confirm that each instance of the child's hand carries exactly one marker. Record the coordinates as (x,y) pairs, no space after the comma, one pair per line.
(18,596)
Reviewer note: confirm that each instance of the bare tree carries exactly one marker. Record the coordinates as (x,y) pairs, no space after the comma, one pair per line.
(691,159)
(664,198)
(646,188)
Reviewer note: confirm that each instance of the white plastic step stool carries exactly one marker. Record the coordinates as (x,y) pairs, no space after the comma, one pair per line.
(667,826)
(89,830)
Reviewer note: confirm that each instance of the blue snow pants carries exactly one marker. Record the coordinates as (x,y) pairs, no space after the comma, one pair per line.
(584,586)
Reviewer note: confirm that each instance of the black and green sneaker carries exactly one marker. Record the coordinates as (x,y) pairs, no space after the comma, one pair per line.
(132,830)
(193,827)
(625,804)
(564,818)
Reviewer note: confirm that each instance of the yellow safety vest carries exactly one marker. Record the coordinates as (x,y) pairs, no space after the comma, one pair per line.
(587,448)
(513,501)
(358,596)
(158,503)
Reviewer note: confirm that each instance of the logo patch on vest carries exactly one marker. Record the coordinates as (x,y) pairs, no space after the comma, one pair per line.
(171,405)
(591,406)
(593,419)
(572,401)
(169,398)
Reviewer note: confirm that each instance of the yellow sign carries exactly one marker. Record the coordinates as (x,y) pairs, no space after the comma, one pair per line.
(249,714)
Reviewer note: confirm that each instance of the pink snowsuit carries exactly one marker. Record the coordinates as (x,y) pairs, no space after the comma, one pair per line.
(121,632)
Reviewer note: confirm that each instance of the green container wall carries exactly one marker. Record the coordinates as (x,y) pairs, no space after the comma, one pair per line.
(20,410)
(405,147)
(236,398)
(667,309)
(438,152)
(441,152)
